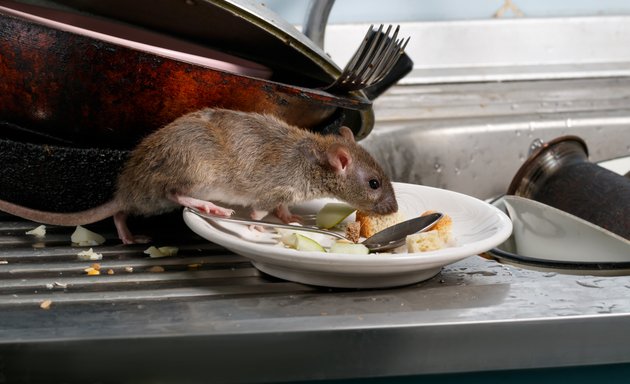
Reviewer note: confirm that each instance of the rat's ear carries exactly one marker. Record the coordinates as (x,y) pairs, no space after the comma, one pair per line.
(346,133)
(339,157)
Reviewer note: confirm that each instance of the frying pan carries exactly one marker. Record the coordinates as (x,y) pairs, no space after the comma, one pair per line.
(99,90)
(73,102)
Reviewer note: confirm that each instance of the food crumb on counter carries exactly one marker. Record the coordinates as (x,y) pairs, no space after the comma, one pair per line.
(84,237)
(89,255)
(45,304)
(38,232)
(94,270)
(56,284)
(153,251)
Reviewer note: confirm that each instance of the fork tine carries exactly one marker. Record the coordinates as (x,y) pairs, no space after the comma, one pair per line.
(388,62)
(372,61)
(366,58)
(383,57)
(363,57)
(349,71)
(384,61)
(375,51)
(392,60)
(360,50)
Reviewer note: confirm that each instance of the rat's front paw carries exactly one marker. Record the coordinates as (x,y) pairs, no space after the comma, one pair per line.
(292,219)
(283,213)
(208,207)
(219,211)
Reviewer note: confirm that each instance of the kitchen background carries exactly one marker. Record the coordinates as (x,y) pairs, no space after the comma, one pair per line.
(490,77)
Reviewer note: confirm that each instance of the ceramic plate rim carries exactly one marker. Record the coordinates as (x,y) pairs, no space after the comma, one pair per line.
(379,262)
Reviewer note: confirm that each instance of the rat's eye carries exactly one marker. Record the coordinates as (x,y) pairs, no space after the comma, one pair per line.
(374,184)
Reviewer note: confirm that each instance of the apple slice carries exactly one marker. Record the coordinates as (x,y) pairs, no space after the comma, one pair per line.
(348,247)
(332,214)
(303,243)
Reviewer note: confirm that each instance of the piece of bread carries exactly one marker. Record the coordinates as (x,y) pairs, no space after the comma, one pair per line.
(353,231)
(444,227)
(424,242)
(440,236)
(370,224)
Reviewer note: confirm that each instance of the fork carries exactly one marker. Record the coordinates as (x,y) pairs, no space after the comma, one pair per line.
(373,60)
(266,223)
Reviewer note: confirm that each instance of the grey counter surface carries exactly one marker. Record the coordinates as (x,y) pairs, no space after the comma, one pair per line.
(236,325)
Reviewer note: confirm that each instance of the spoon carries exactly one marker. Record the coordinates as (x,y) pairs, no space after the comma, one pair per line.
(388,238)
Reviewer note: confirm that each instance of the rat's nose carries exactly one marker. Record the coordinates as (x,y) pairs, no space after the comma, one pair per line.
(386,206)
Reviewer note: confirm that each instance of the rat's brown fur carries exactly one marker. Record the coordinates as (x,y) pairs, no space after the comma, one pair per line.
(235,158)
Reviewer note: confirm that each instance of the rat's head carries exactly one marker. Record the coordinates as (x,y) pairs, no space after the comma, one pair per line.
(358,178)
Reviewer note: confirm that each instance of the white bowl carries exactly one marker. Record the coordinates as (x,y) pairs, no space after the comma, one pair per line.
(550,234)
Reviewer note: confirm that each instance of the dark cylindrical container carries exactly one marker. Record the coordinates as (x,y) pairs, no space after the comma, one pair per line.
(559,174)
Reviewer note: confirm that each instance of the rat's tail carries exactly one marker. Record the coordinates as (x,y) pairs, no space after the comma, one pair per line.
(88,216)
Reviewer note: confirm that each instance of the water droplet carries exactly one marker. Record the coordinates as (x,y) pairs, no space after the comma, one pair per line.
(514,106)
(588,284)
(568,123)
(518,133)
(535,145)
(438,167)
(458,171)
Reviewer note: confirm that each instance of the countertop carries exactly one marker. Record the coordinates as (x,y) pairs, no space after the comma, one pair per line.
(211,315)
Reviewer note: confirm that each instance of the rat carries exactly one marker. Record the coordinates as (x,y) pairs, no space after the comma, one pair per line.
(234,158)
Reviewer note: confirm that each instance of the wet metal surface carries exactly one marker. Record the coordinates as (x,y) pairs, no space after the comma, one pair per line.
(472,138)
(209,313)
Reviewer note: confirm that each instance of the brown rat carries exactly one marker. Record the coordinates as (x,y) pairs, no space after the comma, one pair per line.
(236,158)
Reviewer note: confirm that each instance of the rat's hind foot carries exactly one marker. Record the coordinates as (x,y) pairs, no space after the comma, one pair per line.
(202,205)
(284,214)
(120,220)
(139,239)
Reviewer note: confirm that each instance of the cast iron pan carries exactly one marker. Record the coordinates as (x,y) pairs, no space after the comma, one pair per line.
(55,177)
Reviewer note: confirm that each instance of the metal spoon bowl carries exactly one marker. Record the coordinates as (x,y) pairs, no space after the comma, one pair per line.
(388,238)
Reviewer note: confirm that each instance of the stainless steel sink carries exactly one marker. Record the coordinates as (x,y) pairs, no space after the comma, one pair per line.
(473,137)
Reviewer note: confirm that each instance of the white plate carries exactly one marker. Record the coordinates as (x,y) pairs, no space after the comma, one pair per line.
(477,227)
(548,239)
(547,233)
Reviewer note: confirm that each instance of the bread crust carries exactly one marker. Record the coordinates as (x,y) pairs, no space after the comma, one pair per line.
(371,224)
